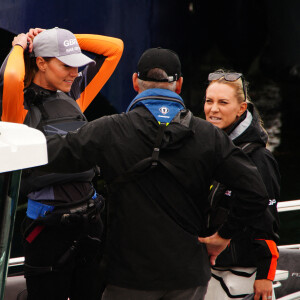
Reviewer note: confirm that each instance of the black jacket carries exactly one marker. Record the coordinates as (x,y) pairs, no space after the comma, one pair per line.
(154,222)
(255,246)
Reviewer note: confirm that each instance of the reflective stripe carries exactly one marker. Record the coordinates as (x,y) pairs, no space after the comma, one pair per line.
(275,255)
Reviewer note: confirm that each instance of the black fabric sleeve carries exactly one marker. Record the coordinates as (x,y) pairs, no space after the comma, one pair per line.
(80,150)
(239,174)
(266,233)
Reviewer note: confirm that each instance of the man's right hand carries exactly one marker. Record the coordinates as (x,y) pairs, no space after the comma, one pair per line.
(214,245)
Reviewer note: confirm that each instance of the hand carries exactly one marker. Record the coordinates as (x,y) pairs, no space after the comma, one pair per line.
(214,245)
(32,33)
(263,289)
(21,39)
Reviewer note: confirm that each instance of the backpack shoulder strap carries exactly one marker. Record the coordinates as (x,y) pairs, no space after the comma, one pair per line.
(144,165)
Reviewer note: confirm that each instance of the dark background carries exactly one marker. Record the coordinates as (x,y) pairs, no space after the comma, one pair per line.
(260,38)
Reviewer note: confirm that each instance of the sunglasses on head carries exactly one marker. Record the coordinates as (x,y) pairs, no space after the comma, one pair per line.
(228,76)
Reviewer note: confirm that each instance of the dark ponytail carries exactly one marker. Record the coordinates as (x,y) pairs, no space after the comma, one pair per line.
(30,69)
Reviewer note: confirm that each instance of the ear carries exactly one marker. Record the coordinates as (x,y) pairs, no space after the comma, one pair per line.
(135,82)
(179,83)
(243,108)
(41,64)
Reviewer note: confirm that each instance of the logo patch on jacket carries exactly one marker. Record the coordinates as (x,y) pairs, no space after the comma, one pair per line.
(164,110)
(228,193)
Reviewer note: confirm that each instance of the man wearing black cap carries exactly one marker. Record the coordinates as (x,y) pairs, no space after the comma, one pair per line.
(159,161)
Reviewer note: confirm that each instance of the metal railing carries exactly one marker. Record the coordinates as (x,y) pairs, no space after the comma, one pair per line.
(288,205)
(16,261)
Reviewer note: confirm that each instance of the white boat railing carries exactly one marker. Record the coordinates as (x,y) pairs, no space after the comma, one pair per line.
(293,296)
(16,261)
(294,246)
(288,205)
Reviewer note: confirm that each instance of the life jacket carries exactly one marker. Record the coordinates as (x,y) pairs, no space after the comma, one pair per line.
(51,113)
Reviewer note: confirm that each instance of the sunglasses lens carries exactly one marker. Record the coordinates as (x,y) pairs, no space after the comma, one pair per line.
(215,76)
(232,76)
(228,77)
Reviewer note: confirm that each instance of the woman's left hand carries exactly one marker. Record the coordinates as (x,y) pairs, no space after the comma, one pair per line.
(263,289)
(21,40)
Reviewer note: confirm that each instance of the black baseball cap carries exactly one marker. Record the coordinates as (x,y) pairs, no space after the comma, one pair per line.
(164,59)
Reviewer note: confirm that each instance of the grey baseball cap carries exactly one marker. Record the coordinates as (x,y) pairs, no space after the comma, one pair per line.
(62,44)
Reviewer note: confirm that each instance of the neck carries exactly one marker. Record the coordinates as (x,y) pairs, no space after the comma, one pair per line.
(39,79)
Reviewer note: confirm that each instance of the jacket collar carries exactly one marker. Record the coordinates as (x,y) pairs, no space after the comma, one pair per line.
(163,104)
(242,126)
(248,128)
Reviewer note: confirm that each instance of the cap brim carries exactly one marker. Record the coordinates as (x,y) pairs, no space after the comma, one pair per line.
(76,60)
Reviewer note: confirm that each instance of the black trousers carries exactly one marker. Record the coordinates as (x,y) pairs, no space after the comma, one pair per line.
(78,277)
(116,293)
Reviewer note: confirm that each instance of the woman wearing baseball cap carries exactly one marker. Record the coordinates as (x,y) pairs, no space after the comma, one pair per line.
(41,87)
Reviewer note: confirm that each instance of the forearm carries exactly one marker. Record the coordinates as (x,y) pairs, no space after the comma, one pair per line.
(267,255)
(13,85)
(112,49)
(80,150)
(103,45)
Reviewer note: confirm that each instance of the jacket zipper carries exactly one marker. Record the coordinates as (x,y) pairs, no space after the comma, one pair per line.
(211,202)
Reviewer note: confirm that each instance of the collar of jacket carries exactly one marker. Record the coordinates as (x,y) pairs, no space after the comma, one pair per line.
(241,126)
(163,104)
(248,128)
